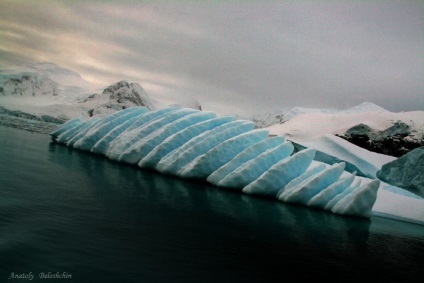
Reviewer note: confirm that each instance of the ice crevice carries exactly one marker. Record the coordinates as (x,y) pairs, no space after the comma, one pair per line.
(224,151)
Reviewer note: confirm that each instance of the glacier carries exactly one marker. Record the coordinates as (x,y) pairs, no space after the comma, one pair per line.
(229,153)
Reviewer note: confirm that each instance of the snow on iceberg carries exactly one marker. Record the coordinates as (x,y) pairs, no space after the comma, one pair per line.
(126,138)
(223,151)
(132,153)
(178,139)
(106,125)
(65,127)
(313,185)
(221,154)
(321,199)
(281,173)
(246,155)
(251,170)
(174,162)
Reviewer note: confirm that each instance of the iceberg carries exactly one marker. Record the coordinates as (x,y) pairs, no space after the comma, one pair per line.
(251,170)
(101,146)
(205,164)
(406,172)
(67,135)
(81,133)
(177,139)
(313,169)
(145,145)
(131,154)
(174,161)
(246,155)
(312,186)
(106,125)
(226,152)
(65,126)
(358,202)
(125,139)
(321,199)
(280,174)
(353,187)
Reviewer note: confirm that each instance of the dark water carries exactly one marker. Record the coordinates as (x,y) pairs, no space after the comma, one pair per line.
(62,210)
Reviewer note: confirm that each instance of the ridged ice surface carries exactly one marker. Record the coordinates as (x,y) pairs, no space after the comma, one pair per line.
(130,135)
(310,187)
(252,169)
(69,134)
(204,165)
(82,132)
(94,134)
(321,199)
(145,145)
(280,174)
(358,202)
(175,161)
(102,145)
(228,153)
(131,154)
(66,126)
(180,138)
(353,187)
(244,156)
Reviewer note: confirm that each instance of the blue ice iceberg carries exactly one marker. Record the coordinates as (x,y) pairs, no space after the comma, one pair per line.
(224,151)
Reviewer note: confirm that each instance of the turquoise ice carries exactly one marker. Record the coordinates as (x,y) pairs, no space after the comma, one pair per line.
(224,151)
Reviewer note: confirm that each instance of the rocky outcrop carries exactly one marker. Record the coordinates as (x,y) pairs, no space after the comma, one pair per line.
(396,140)
(123,92)
(118,96)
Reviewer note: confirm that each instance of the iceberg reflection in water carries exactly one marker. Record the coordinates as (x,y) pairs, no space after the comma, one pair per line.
(223,151)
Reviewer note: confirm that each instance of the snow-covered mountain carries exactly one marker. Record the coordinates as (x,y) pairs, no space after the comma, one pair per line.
(118,96)
(46,91)
(43,79)
(366,125)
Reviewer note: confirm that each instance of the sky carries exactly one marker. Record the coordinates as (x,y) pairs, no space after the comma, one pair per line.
(243,57)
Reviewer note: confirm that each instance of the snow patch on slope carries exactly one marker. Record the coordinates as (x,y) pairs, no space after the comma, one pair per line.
(312,126)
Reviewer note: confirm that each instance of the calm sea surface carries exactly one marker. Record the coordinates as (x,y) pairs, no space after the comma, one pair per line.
(88,219)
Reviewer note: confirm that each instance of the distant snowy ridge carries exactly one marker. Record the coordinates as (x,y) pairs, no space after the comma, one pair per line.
(364,108)
(43,79)
(279,117)
(41,68)
(367,125)
(48,90)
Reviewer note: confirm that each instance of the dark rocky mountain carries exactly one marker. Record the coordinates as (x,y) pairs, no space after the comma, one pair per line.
(119,96)
(396,140)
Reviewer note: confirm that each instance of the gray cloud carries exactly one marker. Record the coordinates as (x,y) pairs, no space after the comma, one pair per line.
(232,56)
